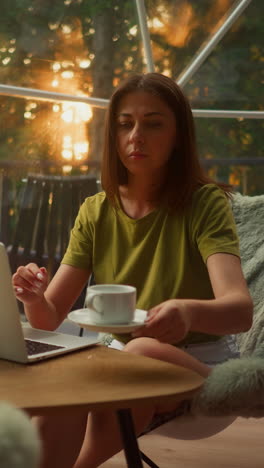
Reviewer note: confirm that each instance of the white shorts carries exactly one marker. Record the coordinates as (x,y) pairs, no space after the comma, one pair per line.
(210,353)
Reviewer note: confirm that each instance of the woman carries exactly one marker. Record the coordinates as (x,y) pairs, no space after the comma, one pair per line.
(162,226)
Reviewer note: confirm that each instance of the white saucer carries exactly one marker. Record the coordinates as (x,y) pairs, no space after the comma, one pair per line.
(81,318)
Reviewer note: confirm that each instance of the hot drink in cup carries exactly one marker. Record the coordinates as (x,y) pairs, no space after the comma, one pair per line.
(111,303)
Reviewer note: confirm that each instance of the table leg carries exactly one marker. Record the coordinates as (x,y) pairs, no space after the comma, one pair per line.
(129,439)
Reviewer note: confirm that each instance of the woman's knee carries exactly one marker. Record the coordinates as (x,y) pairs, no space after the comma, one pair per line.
(144,346)
(166,352)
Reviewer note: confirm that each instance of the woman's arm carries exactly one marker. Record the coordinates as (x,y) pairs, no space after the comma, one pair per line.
(230,312)
(47,306)
(232,309)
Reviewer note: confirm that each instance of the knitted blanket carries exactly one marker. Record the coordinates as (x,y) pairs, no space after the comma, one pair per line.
(249,216)
(236,387)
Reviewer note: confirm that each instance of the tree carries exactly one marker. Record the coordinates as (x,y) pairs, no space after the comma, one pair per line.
(88,46)
(229,79)
(50,39)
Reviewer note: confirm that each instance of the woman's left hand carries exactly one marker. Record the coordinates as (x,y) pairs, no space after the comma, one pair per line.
(168,322)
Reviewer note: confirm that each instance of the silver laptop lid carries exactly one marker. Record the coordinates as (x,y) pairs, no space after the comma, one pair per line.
(12,343)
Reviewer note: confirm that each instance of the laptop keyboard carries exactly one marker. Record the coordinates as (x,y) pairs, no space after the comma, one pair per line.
(35,347)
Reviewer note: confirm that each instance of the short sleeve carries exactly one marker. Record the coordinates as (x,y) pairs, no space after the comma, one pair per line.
(80,247)
(212,224)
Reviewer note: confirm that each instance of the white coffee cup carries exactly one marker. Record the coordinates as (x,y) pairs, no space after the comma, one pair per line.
(111,303)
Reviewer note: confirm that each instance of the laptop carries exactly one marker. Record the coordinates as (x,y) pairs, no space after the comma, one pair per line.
(20,342)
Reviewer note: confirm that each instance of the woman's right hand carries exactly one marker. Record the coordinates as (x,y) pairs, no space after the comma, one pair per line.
(29,283)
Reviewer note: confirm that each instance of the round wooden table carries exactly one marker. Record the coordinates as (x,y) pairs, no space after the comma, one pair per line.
(97,378)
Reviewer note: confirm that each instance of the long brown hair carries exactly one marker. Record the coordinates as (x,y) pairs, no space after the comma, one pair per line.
(185,173)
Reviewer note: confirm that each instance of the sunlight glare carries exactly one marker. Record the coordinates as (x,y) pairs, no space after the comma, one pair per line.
(56,66)
(6,60)
(67,115)
(67,74)
(67,141)
(85,63)
(76,112)
(66,29)
(80,149)
(66,154)
(66,169)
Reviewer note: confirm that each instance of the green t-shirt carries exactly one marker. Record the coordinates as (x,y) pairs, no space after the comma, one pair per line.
(162,254)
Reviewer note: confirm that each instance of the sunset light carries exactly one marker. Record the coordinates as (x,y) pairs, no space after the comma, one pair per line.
(74,143)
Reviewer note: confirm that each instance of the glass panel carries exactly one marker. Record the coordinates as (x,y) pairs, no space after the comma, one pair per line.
(86,47)
(47,136)
(231,150)
(178,28)
(69,46)
(231,77)
(42,138)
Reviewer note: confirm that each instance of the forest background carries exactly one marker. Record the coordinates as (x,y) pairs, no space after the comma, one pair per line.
(85,47)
